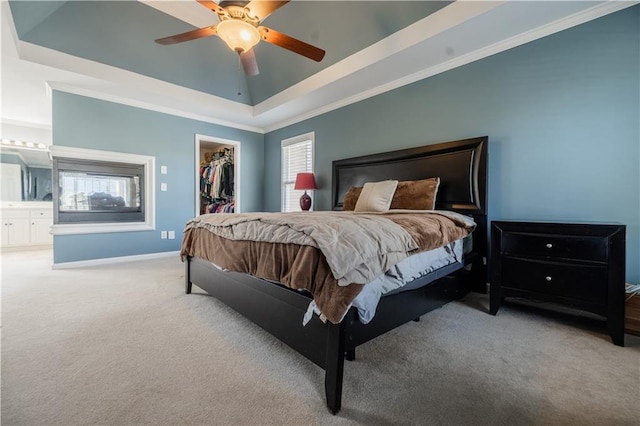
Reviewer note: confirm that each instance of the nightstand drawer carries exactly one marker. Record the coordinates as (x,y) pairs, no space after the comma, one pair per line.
(584,282)
(554,245)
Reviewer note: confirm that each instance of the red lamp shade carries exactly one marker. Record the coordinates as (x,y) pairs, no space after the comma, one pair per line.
(305,181)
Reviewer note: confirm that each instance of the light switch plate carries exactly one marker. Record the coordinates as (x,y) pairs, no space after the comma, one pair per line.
(172,235)
(163,170)
(163,186)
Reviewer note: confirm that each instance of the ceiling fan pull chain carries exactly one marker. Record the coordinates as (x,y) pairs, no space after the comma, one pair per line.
(238,74)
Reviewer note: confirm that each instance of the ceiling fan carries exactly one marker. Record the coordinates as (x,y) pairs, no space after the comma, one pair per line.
(240,28)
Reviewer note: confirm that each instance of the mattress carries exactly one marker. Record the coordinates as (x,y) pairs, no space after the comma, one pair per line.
(333,255)
(432,265)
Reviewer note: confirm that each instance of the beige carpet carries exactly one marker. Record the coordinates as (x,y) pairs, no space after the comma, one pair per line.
(122,344)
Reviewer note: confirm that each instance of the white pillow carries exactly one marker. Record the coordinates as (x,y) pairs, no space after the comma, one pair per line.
(376,196)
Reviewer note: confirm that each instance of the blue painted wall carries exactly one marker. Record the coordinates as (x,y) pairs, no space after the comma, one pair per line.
(94,124)
(562,114)
(11,159)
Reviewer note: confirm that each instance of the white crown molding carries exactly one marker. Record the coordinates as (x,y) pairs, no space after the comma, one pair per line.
(428,27)
(77,90)
(349,81)
(22,123)
(126,87)
(564,23)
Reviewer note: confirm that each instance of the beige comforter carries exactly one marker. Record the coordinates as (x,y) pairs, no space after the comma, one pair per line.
(356,247)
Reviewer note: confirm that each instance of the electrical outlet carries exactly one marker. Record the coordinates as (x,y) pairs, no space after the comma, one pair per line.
(163,170)
(172,235)
(163,235)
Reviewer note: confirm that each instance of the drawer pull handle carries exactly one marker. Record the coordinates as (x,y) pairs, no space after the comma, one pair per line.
(549,245)
(548,278)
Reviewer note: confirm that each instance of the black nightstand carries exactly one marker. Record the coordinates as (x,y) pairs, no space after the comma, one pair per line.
(573,264)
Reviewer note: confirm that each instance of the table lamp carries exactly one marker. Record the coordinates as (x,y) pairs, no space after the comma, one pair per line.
(305,181)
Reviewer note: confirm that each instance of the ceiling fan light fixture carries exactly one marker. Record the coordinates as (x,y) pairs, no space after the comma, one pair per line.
(239,35)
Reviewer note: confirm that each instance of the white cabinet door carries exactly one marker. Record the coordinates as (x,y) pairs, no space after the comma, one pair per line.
(15,227)
(18,231)
(5,233)
(26,226)
(40,231)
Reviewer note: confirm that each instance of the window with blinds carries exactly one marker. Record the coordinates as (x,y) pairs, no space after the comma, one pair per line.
(297,157)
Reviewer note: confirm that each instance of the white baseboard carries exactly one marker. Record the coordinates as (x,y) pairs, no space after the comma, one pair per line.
(108,260)
(28,247)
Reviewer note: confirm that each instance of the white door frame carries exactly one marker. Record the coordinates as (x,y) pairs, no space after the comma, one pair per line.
(236,168)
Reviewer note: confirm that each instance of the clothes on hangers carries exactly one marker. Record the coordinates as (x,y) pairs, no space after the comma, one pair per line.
(216,183)
(216,178)
(221,207)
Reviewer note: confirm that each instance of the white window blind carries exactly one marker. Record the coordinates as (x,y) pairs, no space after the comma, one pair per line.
(297,157)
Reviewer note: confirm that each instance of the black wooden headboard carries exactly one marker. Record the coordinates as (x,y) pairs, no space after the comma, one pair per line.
(461,166)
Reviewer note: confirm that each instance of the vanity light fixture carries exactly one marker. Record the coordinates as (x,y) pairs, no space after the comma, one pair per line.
(15,143)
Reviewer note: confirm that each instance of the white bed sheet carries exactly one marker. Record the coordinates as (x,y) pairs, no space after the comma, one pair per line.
(409,269)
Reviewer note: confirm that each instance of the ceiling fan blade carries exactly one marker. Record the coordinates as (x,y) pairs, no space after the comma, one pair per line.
(290,43)
(189,35)
(212,6)
(261,9)
(249,63)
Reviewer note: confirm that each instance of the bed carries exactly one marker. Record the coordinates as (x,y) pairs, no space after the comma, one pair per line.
(461,167)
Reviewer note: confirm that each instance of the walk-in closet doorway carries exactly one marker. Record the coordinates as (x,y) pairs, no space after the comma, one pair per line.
(217,175)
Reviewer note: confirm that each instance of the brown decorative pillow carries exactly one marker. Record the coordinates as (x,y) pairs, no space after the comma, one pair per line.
(416,194)
(351,198)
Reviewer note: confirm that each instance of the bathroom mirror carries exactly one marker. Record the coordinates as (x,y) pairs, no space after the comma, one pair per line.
(26,174)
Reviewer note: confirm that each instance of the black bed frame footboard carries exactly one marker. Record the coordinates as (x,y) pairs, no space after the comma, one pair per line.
(462,168)
(279,310)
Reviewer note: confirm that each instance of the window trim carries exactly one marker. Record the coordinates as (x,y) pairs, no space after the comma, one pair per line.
(148,162)
(293,141)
